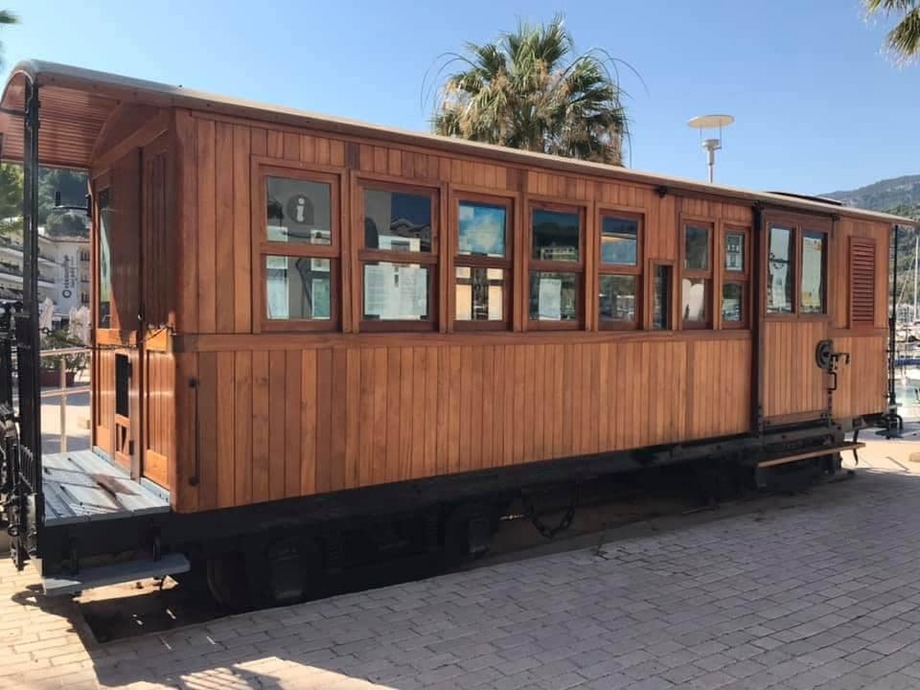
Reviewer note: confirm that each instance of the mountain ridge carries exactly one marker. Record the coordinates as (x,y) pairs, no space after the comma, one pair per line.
(893,194)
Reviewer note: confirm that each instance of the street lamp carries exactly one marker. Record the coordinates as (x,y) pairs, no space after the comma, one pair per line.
(712,143)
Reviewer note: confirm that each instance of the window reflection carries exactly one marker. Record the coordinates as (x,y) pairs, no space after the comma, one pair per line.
(299,211)
(480,294)
(780,281)
(812,291)
(732,304)
(661,298)
(618,298)
(694,299)
(298,288)
(696,248)
(397,221)
(555,235)
(619,241)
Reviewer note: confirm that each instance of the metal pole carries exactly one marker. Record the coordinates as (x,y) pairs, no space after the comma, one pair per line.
(63,404)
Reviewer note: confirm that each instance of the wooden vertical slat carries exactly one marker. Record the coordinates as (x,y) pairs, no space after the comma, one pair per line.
(366,423)
(225,457)
(353,420)
(394,387)
(407,412)
(293,433)
(276,424)
(308,414)
(206,283)
(260,426)
(224,235)
(381,414)
(325,420)
(242,234)
(243,428)
(208,431)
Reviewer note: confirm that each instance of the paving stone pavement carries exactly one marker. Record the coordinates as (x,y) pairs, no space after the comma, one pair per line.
(811,591)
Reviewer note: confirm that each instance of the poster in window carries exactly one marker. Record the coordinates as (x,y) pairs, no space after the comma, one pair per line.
(734,252)
(375,289)
(276,288)
(321,298)
(550,299)
(812,272)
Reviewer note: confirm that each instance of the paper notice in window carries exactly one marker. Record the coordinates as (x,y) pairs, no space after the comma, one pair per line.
(550,299)
(495,302)
(375,289)
(464,302)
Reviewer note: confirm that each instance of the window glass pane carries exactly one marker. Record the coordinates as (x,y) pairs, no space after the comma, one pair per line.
(812,298)
(734,252)
(299,211)
(105,260)
(696,248)
(553,296)
(555,235)
(619,241)
(732,302)
(694,296)
(395,292)
(780,282)
(298,288)
(661,299)
(397,221)
(480,294)
(481,229)
(618,298)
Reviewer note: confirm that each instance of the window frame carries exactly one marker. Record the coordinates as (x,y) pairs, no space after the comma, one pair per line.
(578,268)
(743,277)
(697,274)
(798,224)
(364,255)
(604,269)
(506,263)
(265,247)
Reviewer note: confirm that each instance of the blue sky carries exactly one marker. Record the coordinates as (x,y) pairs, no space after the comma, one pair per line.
(819,107)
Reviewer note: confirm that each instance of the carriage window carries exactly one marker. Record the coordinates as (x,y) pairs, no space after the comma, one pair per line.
(735,278)
(298,288)
(556,267)
(619,280)
(661,298)
(734,252)
(696,282)
(781,271)
(732,304)
(399,259)
(299,211)
(811,297)
(105,260)
(300,250)
(483,265)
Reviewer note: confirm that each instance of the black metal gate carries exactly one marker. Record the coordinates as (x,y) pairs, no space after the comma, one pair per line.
(20,450)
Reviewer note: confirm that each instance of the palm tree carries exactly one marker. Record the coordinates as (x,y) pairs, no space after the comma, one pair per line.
(904,38)
(6,17)
(530,90)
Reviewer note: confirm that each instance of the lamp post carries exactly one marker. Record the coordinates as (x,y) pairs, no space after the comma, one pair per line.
(712,143)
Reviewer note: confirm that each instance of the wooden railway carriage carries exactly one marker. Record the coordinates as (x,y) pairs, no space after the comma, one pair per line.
(301,323)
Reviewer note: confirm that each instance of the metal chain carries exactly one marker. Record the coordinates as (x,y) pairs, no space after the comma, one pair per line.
(542,528)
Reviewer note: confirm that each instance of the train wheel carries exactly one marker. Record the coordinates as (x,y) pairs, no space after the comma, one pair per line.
(228,581)
(468,532)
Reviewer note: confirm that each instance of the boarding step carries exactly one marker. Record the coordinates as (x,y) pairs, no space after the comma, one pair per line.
(810,454)
(114,574)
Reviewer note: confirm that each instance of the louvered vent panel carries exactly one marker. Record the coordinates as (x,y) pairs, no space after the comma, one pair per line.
(862,282)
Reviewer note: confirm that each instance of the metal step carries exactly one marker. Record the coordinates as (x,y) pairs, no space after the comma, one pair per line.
(794,457)
(117,573)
